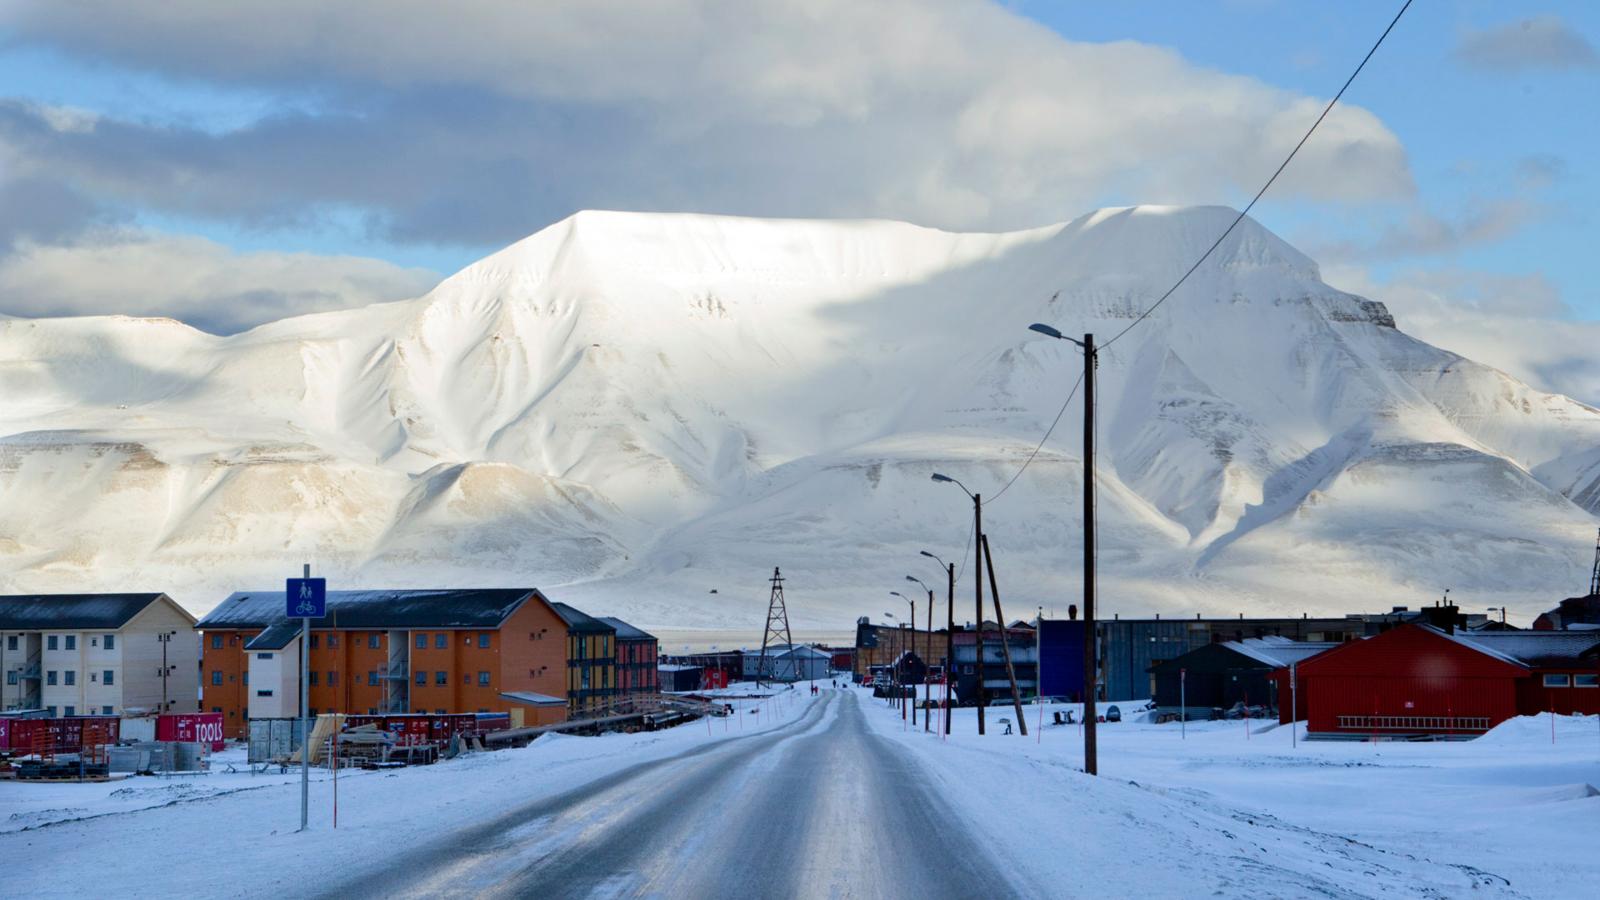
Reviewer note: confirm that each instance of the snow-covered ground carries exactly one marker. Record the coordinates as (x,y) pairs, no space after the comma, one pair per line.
(1216,812)
(235,834)
(1509,814)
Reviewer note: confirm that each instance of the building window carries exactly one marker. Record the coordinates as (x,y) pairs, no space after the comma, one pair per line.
(105,710)
(50,642)
(216,709)
(483,640)
(372,678)
(264,692)
(50,677)
(438,712)
(441,641)
(216,642)
(314,640)
(11,642)
(483,679)
(111,642)
(333,678)
(216,676)
(1557,681)
(94,642)
(422,677)
(441,678)
(263,656)
(1589,681)
(245,678)
(333,641)
(312,677)
(72,710)
(374,641)
(422,641)
(11,678)
(107,677)
(51,710)
(72,642)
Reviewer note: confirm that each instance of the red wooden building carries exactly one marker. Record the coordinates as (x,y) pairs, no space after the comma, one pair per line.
(1423,680)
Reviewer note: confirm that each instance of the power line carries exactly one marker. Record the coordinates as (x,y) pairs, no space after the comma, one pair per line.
(1246,211)
(1029,461)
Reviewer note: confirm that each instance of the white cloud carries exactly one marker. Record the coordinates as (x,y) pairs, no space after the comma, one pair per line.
(1515,323)
(480,122)
(1540,42)
(193,279)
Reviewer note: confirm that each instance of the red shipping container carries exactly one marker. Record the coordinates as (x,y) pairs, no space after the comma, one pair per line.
(56,735)
(191,728)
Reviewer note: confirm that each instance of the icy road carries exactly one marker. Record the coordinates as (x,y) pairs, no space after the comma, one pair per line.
(822,807)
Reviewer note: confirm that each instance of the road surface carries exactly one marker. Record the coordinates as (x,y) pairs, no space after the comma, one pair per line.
(819,808)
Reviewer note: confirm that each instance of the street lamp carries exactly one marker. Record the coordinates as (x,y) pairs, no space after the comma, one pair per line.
(927,691)
(911,634)
(1091,661)
(977,534)
(949,631)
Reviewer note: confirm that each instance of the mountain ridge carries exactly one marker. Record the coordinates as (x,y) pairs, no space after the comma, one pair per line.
(635,407)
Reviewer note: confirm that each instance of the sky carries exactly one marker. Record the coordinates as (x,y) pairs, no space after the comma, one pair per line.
(230,164)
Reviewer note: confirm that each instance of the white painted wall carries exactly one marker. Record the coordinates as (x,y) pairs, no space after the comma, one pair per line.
(276,671)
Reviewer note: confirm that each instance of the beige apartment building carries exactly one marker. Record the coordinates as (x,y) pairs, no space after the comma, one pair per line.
(98,654)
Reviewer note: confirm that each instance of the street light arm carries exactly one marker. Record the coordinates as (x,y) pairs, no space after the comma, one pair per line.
(1049,331)
(947,478)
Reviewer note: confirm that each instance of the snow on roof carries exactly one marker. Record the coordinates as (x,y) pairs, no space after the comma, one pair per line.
(464,608)
(626,632)
(1472,642)
(1276,650)
(70,612)
(578,620)
(1533,647)
(532,698)
(664,667)
(276,637)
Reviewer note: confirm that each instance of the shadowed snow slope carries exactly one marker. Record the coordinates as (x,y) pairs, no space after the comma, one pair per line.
(646,407)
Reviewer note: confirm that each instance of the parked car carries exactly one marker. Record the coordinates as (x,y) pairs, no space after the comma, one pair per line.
(1113,714)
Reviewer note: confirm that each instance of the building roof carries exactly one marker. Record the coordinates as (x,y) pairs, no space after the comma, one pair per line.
(532,698)
(578,620)
(71,612)
(676,668)
(463,608)
(626,632)
(1278,651)
(1533,648)
(276,637)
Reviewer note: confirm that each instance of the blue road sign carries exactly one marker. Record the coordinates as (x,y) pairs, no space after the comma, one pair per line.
(307,598)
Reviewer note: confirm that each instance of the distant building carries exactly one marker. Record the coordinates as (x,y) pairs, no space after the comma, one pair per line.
(394,651)
(636,659)
(996,683)
(787,663)
(97,654)
(880,645)
(1217,676)
(1421,679)
(1573,611)
(676,678)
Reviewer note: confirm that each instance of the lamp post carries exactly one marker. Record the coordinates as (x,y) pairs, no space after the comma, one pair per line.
(1501,610)
(977,533)
(949,632)
(911,637)
(927,692)
(894,671)
(1090,650)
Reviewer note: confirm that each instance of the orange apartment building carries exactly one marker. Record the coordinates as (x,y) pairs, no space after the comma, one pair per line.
(405,651)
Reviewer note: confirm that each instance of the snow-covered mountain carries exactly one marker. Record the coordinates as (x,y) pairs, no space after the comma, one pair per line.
(643,408)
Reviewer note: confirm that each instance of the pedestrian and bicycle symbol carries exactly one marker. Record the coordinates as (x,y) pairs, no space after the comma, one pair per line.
(306,598)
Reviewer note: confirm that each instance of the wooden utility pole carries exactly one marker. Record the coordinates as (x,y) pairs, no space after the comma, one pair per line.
(1005,640)
(927,689)
(977,572)
(949,644)
(1091,655)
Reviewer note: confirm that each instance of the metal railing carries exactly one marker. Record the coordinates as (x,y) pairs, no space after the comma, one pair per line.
(1414,723)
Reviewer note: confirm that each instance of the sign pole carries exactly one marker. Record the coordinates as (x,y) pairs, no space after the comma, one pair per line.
(1294,709)
(305,598)
(1183,704)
